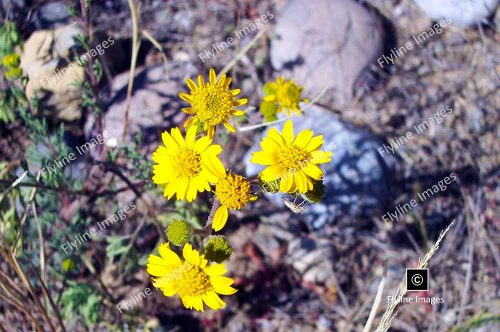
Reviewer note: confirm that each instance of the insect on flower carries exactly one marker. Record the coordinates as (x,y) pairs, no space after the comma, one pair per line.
(293,205)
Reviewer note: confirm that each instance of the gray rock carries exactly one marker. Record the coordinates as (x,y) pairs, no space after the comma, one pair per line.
(355,179)
(461,12)
(313,260)
(53,12)
(9,5)
(154,106)
(326,44)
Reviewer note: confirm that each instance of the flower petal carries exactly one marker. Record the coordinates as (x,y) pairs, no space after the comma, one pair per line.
(321,157)
(229,127)
(313,171)
(213,301)
(272,172)
(220,218)
(191,255)
(177,136)
(202,144)
(192,86)
(287,131)
(303,138)
(264,158)
(190,136)
(315,143)
(286,184)
(168,255)
(185,97)
(212,76)
(216,269)
(168,141)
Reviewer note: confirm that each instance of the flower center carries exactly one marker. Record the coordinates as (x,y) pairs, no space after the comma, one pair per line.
(293,158)
(190,280)
(188,163)
(212,104)
(233,191)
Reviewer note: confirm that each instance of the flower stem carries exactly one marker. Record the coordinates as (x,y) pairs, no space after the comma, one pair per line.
(210,218)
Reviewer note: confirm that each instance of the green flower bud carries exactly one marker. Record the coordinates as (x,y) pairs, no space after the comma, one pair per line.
(217,249)
(179,232)
(316,193)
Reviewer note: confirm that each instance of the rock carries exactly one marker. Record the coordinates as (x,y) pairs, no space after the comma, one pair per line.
(326,44)
(8,5)
(313,260)
(52,13)
(464,13)
(355,179)
(51,77)
(154,106)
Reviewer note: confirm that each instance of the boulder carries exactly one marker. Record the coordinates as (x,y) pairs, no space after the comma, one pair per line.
(326,44)
(51,74)
(463,13)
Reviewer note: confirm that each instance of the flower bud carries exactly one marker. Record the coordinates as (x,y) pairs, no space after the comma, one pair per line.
(217,249)
(179,232)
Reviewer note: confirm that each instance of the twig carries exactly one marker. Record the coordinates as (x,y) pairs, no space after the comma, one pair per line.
(158,47)
(90,69)
(12,186)
(376,303)
(10,257)
(210,218)
(136,44)
(467,278)
(242,52)
(25,215)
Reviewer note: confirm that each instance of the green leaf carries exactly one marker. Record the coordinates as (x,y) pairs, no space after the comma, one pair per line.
(269,109)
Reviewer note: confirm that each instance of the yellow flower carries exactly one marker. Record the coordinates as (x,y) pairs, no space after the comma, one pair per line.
(212,103)
(294,161)
(191,278)
(11,60)
(286,93)
(185,167)
(233,192)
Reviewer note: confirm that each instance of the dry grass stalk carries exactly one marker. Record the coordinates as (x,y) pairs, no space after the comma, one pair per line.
(387,318)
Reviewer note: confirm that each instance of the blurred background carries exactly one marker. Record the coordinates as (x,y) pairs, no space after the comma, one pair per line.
(405,94)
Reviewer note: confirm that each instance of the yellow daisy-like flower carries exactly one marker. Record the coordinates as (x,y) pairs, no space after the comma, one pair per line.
(292,160)
(212,103)
(186,167)
(286,93)
(191,278)
(233,192)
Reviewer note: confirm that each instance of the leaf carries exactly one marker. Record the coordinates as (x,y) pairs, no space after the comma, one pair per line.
(269,110)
